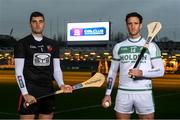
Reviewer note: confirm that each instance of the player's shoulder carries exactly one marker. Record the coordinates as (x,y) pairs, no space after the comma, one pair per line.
(49,40)
(153,47)
(118,45)
(24,39)
(152,44)
(124,42)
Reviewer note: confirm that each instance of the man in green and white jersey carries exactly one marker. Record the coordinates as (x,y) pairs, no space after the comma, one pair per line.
(134,93)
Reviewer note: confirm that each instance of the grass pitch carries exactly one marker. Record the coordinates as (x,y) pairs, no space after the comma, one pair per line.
(86,104)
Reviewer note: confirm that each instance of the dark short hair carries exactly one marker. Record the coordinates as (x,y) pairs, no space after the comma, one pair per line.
(36,14)
(134,14)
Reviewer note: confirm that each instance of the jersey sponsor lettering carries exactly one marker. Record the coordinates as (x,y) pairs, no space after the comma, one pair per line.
(41,59)
(126,58)
(129,54)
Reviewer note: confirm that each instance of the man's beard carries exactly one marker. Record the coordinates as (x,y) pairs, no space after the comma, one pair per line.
(37,32)
(134,34)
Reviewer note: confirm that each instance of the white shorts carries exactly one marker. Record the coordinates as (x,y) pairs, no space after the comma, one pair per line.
(141,101)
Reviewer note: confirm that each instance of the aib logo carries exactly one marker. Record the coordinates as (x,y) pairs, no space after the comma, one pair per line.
(88,31)
(76,32)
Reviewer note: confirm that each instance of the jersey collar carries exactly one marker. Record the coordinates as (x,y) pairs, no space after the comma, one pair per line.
(37,38)
(135,40)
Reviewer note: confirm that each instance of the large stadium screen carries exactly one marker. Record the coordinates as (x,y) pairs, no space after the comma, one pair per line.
(88,32)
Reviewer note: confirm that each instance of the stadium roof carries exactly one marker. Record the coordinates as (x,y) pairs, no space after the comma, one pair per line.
(7,41)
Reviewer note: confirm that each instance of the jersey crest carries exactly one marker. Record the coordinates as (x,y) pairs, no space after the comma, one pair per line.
(50,48)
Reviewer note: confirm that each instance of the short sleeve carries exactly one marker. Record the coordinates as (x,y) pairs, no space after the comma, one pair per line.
(19,51)
(154,51)
(56,52)
(115,52)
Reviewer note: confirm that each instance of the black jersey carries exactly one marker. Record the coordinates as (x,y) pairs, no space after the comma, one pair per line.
(38,55)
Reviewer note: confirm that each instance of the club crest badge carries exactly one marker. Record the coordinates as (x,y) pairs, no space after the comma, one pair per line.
(49,48)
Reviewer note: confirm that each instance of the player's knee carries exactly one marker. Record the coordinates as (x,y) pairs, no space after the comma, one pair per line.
(147,117)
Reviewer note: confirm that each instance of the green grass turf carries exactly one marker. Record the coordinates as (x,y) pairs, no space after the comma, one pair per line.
(86,104)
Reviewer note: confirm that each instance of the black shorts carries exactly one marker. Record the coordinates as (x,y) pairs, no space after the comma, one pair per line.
(43,106)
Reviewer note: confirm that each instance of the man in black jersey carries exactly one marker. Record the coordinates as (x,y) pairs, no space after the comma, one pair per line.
(36,65)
